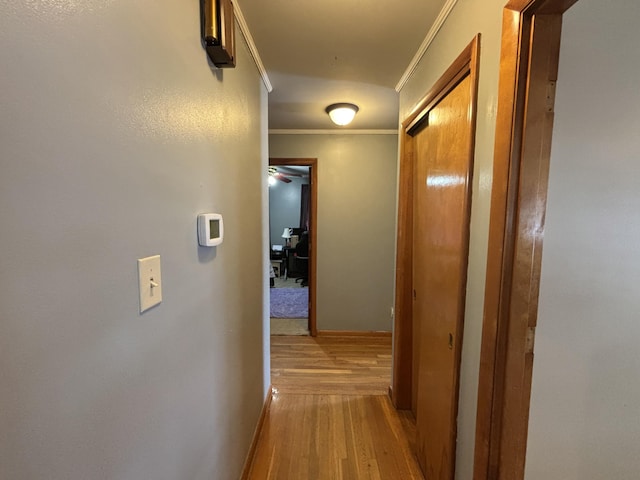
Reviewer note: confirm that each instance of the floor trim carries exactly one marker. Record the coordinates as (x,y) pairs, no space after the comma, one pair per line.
(248,463)
(352,333)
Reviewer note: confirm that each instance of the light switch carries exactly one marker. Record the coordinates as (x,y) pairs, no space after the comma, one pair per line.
(150,282)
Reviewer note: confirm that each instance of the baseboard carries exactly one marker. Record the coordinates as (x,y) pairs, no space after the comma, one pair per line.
(246,470)
(352,333)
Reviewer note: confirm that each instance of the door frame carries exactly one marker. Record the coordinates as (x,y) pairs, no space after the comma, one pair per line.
(402,376)
(312,163)
(531,32)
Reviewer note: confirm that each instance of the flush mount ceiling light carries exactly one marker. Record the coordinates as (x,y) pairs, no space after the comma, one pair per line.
(342,113)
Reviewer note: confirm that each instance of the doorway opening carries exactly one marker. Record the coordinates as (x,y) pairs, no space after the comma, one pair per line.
(292,239)
(530,49)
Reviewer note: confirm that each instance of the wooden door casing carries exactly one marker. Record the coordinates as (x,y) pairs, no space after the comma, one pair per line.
(312,163)
(531,33)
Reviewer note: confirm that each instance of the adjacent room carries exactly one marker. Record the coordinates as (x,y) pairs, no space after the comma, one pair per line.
(289,229)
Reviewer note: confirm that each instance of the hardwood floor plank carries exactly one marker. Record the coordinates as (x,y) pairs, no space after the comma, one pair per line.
(333,437)
(330,416)
(331,365)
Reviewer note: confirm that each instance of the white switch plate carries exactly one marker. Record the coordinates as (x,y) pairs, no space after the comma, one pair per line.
(149,282)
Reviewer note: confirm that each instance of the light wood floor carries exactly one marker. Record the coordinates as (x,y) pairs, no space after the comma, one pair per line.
(331,365)
(330,416)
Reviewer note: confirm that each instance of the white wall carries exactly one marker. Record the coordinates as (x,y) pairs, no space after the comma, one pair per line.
(468,18)
(284,207)
(585,404)
(114,134)
(356,230)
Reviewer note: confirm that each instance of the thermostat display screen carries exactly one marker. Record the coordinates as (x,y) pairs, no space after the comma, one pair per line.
(214,228)
(210,229)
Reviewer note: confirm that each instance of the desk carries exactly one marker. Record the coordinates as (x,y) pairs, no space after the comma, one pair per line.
(277,265)
(278,260)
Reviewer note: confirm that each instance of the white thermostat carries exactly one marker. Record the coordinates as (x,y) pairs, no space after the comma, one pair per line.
(210,229)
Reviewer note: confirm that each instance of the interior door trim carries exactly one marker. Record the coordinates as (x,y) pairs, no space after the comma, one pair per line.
(531,32)
(312,163)
(402,375)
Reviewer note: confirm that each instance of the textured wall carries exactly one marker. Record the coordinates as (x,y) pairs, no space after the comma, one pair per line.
(114,134)
(356,225)
(585,401)
(284,207)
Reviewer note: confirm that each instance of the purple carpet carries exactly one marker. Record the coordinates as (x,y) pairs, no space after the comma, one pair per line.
(289,302)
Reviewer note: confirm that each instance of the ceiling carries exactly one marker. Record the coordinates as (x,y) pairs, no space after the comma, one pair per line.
(316,53)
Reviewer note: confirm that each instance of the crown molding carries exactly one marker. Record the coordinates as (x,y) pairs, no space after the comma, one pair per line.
(244,28)
(431,35)
(331,132)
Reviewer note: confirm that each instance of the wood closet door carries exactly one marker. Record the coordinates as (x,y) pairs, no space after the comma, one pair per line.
(443,165)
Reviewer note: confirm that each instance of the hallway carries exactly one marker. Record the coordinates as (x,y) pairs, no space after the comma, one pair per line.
(330,415)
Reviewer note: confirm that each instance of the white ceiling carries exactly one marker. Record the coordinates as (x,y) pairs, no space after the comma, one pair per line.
(322,52)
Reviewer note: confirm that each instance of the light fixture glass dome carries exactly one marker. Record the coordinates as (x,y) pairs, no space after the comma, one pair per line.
(342,113)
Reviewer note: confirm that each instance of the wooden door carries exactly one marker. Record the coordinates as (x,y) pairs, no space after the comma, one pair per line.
(443,165)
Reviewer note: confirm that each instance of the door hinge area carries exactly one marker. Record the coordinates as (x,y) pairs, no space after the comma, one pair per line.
(551,97)
(530,340)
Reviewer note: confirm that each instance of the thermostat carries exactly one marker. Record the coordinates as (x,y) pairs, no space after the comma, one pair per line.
(210,229)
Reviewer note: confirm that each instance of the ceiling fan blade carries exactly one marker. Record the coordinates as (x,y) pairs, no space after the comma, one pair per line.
(291,172)
(282,178)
